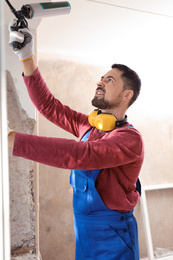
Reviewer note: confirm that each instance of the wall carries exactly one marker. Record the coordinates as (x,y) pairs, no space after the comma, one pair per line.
(74,84)
(23,195)
(22,192)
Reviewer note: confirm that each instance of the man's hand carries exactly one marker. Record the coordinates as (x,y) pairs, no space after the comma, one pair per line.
(21,41)
(11,137)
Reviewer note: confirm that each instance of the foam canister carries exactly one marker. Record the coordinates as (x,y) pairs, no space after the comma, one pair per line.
(48,9)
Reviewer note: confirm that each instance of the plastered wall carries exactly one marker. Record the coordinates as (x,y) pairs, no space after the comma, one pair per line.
(74,84)
(22,192)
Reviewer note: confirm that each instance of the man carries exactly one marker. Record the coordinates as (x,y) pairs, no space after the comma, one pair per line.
(106,162)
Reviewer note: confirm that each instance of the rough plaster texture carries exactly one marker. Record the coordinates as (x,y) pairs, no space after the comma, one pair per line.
(22,204)
(74,84)
(25,257)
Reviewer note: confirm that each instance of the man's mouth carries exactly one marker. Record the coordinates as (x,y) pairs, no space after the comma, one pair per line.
(99,91)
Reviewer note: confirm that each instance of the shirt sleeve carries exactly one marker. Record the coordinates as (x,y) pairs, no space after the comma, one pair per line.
(118,149)
(51,108)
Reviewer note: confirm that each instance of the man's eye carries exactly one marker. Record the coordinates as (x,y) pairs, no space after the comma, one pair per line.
(110,80)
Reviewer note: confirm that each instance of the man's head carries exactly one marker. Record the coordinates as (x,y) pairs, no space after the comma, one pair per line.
(131,80)
(117,89)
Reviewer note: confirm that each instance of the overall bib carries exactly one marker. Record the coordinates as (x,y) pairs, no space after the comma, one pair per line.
(100,233)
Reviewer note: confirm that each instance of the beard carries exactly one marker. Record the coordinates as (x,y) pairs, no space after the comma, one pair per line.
(101,103)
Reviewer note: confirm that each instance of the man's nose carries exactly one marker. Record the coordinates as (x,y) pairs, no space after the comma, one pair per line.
(100,83)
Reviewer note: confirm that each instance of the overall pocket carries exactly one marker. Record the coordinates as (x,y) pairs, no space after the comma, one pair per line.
(122,237)
(80,194)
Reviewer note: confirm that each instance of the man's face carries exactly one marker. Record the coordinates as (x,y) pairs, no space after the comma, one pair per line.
(109,90)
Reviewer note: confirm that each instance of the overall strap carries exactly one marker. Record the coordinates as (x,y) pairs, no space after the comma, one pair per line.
(86,135)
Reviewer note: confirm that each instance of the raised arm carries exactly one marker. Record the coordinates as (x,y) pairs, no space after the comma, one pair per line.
(21,41)
(29,67)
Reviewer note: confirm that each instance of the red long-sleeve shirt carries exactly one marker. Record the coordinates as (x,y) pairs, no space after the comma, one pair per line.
(119,153)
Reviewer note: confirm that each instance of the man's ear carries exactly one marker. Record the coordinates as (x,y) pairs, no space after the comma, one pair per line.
(128,94)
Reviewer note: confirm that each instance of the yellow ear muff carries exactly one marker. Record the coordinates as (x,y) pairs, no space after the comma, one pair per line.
(92,117)
(103,122)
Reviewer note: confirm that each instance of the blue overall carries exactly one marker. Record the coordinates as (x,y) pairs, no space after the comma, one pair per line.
(100,233)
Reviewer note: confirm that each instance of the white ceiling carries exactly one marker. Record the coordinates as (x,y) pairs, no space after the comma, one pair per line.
(157,7)
(95,26)
(102,31)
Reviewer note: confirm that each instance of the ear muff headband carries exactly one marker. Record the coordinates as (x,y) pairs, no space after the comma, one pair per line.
(104,122)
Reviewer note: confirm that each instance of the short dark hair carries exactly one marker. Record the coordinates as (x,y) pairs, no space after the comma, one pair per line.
(131,80)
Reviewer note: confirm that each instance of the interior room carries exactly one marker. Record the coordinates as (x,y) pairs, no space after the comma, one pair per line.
(73,51)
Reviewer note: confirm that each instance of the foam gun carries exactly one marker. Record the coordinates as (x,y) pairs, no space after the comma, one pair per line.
(38,10)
